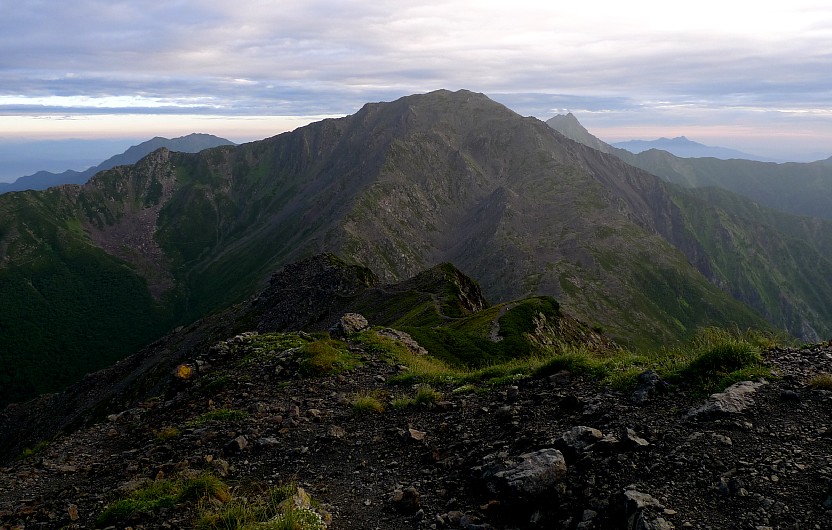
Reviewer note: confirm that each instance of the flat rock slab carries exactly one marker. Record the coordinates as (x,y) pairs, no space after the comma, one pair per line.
(733,400)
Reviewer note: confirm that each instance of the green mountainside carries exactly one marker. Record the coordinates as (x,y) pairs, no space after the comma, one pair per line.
(398,187)
(776,263)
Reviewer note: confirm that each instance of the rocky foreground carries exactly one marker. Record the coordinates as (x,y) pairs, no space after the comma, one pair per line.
(544,452)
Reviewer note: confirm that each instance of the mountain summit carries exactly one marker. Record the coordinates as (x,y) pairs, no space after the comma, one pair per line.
(398,187)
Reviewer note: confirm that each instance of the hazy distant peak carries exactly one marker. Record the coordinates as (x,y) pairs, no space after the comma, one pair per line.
(683,147)
(191,143)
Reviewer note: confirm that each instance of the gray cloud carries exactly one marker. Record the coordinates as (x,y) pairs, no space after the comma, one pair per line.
(620,64)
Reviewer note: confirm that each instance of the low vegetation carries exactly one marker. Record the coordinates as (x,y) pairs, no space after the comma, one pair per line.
(821,381)
(326,356)
(166,433)
(424,396)
(285,507)
(364,403)
(32,451)
(159,494)
(217,415)
(713,360)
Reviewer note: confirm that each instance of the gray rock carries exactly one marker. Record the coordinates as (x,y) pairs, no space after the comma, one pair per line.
(733,400)
(350,323)
(403,338)
(236,445)
(561,378)
(267,441)
(632,440)
(536,473)
(646,387)
(336,431)
(578,439)
(636,500)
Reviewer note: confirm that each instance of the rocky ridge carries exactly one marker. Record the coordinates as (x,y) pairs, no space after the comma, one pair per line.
(544,452)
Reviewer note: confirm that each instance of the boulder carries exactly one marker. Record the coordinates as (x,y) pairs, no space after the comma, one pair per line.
(349,324)
(530,474)
(733,400)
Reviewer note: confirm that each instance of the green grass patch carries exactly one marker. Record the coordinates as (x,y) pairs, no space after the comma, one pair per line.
(262,344)
(284,507)
(214,384)
(326,356)
(466,342)
(822,381)
(160,494)
(166,433)
(218,415)
(365,403)
(37,449)
(425,396)
(713,360)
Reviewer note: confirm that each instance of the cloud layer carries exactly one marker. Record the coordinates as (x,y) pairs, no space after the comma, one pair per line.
(619,66)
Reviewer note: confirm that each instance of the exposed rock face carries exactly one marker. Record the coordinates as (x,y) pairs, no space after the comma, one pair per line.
(310,293)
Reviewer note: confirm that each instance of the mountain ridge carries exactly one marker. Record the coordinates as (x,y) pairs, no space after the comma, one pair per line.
(398,187)
(797,188)
(684,148)
(41,180)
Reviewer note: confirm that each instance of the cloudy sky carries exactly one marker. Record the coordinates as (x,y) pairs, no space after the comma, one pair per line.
(755,76)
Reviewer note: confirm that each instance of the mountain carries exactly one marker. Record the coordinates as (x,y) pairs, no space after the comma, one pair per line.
(192,143)
(569,126)
(803,189)
(282,427)
(89,273)
(684,148)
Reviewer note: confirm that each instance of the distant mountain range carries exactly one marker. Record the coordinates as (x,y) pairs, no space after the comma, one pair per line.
(41,180)
(682,147)
(88,274)
(797,188)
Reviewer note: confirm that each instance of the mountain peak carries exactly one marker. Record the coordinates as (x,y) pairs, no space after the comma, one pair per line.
(569,126)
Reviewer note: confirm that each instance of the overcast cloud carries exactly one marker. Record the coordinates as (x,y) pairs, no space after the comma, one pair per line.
(751,75)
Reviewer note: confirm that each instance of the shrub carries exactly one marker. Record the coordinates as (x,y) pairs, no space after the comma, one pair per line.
(204,486)
(270,511)
(425,395)
(293,519)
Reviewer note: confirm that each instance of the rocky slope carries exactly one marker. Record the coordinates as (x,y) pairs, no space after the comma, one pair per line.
(203,427)
(544,452)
